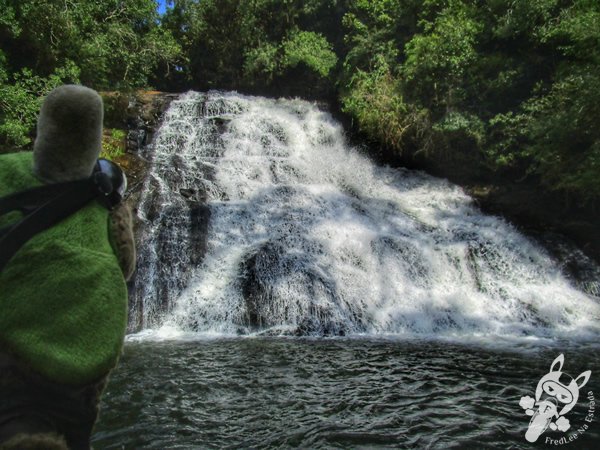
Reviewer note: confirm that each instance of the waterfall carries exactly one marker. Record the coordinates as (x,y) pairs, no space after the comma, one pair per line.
(258,217)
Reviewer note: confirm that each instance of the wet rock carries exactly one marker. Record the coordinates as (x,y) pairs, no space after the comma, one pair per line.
(220,122)
(311,326)
(275,264)
(187,193)
(536,211)
(144,113)
(199,220)
(579,268)
(141,114)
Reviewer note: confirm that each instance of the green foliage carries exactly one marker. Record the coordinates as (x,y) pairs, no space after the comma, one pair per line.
(563,133)
(575,31)
(113,143)
(7,18)
(506,140)
(552,132)
(468,125)
(517,20)
(311,49)
(556,134)
(376,30)
(512,83)
(438,58)
(262,62)
(302,47)
(375,100)
(20,101)
(115,44)
(232,44)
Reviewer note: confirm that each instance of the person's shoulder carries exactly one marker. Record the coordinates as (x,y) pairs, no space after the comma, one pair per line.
(16,172)
(17,156)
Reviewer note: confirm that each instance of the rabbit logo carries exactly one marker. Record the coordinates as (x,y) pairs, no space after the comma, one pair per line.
(556,394)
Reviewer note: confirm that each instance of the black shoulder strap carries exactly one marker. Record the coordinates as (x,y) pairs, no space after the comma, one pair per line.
(28,200)
(72,197)
(45,206)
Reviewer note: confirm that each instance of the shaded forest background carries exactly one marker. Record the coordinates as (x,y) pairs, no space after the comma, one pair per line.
(485,92)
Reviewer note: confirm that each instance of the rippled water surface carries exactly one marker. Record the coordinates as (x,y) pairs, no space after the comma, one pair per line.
(334,393)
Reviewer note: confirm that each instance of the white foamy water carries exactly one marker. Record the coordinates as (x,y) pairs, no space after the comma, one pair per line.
(308,236)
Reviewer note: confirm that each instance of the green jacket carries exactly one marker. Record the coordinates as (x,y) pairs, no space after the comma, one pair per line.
(63,298)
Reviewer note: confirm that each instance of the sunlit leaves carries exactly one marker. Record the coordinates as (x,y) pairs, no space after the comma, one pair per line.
(114,44)
(20,102)
(375,100)
(311,49)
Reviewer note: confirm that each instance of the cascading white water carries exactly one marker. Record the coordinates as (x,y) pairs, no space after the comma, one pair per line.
(308,236)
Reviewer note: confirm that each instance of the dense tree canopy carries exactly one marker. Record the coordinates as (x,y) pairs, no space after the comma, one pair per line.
(509,86)
(256,44)
(496,86)
(113,44)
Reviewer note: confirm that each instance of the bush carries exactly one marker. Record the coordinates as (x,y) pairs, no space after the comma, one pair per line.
(113,143)
(20,101)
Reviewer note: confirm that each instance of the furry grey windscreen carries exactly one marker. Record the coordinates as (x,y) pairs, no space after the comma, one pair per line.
(69,134)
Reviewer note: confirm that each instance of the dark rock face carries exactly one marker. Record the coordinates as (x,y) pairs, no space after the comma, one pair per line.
(199,219)
(579,268)
(142,114)
(175,264)
(537,212)
(275,264)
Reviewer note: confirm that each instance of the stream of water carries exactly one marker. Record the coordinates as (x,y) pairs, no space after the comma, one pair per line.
(291,292)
